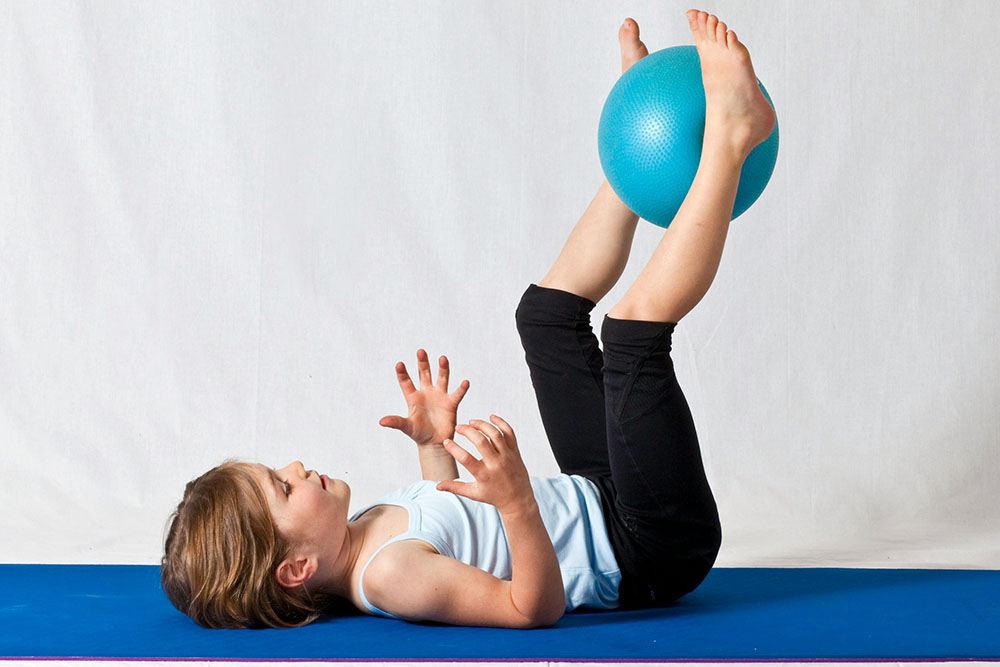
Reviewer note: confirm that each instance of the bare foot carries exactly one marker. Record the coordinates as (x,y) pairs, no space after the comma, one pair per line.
(736,111)
(632,49)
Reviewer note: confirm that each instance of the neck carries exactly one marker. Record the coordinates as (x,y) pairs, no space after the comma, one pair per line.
(338,580)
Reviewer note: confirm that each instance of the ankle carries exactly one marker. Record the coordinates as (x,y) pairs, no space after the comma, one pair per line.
(729,139)
(725,151)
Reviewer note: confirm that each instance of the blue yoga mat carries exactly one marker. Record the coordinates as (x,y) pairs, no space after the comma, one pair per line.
(119,611)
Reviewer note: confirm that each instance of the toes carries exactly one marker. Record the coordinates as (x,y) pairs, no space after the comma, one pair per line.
(629,30)
(711,23)
(696,20)
(708,26)
(633,50)
(720,33)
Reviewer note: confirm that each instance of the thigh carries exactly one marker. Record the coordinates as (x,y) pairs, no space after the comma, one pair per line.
(565,363)
(662,492)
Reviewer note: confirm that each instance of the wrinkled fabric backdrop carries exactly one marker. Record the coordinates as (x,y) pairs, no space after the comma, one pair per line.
(224,223)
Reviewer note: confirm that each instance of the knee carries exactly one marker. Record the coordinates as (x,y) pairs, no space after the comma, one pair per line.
(634,308)
(523,308)
(546,307)
(522,315)
(528,318)
(626,310)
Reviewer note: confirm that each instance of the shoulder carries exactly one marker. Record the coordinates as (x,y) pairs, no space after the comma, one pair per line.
(386,575)
(394,557)
(419,584)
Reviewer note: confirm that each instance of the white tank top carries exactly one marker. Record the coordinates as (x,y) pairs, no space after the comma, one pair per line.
(472,532)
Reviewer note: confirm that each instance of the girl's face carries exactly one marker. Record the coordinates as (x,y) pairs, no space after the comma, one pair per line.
(310,516)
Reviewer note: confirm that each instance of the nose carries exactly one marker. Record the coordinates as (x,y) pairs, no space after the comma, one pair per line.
(295,466)
(308,473)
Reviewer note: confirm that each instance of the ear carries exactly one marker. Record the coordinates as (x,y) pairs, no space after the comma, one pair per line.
(295,572)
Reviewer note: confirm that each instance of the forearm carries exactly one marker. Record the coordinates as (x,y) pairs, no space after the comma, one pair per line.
(436,463)
(536,581)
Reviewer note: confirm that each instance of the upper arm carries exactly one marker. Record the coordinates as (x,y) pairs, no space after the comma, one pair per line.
(420,585)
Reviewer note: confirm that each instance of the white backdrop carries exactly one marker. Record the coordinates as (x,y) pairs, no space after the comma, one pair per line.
(224,223)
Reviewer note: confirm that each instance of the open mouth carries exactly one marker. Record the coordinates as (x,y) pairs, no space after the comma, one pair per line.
(322,479)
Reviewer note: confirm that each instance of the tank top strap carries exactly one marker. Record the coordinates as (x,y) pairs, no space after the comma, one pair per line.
(414,531)
(442,548)
(361,580)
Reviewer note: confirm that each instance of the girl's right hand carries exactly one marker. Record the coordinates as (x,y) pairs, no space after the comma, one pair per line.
(501,478)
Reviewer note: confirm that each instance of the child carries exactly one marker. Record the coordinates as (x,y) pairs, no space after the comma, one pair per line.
(630,523)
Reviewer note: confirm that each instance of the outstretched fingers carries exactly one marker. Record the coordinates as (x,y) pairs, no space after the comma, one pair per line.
(490,437)
(460,454)
(477,438)
(462,390)
(493,436)
(444,372)
(424,368)
(405,383)
(506,429)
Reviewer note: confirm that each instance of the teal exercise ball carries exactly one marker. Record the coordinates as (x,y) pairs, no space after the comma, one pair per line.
(650,135)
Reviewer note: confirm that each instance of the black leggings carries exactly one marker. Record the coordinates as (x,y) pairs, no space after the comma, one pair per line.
(619,418)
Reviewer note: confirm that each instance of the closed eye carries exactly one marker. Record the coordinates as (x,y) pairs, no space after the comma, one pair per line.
(285,486)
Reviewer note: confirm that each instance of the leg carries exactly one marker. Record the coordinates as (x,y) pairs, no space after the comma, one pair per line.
(738,117)
(553,320)
(687,258)
(565,363)
(662,494)
(597,250)
(672,532)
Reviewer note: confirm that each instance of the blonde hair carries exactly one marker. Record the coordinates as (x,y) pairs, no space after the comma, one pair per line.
(221,554)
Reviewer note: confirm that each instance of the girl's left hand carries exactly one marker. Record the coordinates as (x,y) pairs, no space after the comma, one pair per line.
(433,412)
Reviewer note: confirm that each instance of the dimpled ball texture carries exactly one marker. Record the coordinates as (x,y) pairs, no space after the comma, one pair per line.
(650,135)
